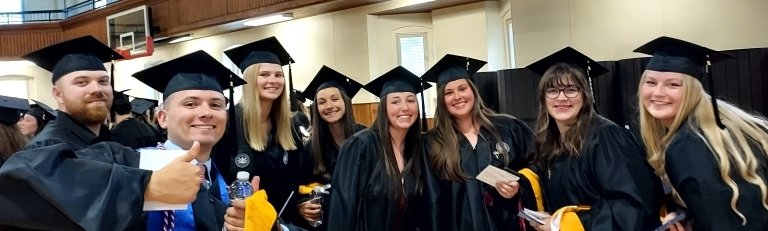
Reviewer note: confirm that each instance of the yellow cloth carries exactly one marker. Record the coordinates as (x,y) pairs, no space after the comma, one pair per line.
(569,220)
(259,213)
(306,189)
(534,179)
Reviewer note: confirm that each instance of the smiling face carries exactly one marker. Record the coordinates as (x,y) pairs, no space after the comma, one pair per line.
(402,109)
(84,95)
(194,115)
(330,105)
(661,94)
(270,81)
(564,102)
(459,98)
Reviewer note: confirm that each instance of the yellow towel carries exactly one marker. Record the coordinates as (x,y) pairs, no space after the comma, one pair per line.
(569,220)
(306,189)
(534,179)
(259,213)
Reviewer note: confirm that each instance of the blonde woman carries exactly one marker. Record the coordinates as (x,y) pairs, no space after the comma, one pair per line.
(712,153)
(268,145)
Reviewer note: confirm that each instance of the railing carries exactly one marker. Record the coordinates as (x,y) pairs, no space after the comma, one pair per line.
(53,15)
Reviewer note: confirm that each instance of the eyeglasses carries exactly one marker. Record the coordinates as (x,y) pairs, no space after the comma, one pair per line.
(570,92)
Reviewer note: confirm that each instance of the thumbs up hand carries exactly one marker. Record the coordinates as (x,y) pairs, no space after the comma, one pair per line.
(177,182)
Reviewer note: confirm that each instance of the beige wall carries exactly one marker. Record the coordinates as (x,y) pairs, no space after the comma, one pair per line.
(611,29)
(40,85)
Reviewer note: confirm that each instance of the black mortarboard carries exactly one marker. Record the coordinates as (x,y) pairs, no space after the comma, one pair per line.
(42,111)
(119,98)
(398,79)
(570,56)
(268,50)
(141,105)
(81,54)
(452,67)
(675,55)
(328,77)
(194,71)
(11,109)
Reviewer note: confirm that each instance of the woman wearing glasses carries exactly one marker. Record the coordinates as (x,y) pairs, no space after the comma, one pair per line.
(593,172)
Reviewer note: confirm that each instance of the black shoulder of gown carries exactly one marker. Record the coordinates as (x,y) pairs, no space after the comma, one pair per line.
(57,188)
(66,129)
(612,176)
(135,134)
(694,172)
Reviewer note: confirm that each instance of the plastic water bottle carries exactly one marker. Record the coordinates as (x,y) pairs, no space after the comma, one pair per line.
(316,197)
(241,188)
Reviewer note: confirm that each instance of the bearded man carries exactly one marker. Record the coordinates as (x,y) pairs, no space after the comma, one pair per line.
(82,89)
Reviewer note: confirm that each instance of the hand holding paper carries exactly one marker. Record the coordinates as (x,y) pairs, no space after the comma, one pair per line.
(492,175)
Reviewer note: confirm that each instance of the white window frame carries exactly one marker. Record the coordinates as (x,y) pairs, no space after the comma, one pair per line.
(423,35)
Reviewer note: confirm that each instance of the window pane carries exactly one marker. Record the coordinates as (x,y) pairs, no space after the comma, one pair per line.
(413,56)
(14,87)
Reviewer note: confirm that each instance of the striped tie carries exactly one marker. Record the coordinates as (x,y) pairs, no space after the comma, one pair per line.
(168,220)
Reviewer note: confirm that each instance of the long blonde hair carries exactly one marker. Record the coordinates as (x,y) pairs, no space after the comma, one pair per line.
(280,114)
(730,146)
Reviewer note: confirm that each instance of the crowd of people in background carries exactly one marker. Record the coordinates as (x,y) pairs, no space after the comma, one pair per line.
(698,163)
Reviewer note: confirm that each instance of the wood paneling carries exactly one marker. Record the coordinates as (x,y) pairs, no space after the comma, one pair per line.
(192,11)
(18,40)
(234,6)
(96,28)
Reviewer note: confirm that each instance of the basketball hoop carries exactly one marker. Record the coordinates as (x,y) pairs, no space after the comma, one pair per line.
(128,55)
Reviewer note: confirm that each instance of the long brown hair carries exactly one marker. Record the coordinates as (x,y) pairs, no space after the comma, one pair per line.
(11,140)
(444,145)
(549,142)
(412,150)
(321,134)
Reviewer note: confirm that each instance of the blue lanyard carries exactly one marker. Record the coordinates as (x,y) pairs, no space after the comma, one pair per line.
(222,184)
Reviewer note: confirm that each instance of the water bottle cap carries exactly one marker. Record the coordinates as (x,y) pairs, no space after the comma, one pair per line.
(243,175)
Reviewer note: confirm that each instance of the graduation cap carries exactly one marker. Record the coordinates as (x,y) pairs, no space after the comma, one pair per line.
(675,55)
(42,111)
(452,67)
(11,109)
(194,71)
(570,56)
(268,50)
(81,54)
(398,79)
(328,77)
(120,98)
(141,105)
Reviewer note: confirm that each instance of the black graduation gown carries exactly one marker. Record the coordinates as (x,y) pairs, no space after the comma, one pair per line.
(135,134)
(277,177)
(361,198)
(66,129)
(611,175)
(57,188)
(331,155)
(472,204)
(694,173)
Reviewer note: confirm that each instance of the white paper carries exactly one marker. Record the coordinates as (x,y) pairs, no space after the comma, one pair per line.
(491,174)
(534,216)
(154,159)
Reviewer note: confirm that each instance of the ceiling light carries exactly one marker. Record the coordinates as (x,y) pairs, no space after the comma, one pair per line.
(266,20)
(182,39)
